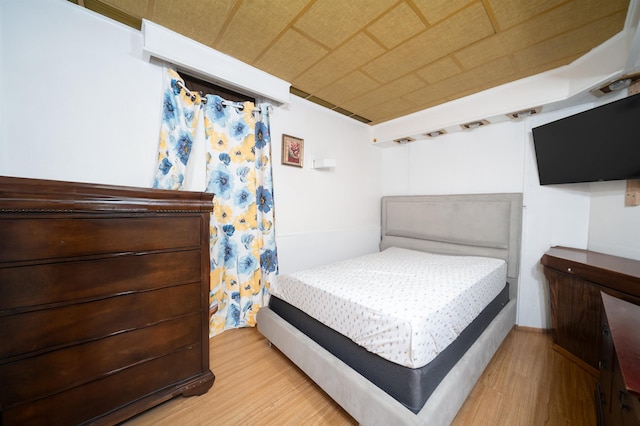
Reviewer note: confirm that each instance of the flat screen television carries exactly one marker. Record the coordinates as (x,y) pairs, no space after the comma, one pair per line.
(599,144)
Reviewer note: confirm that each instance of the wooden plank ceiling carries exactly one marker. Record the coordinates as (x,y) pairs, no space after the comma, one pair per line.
(376,60)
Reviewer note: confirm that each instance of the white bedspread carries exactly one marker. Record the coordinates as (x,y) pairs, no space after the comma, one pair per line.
(404,305)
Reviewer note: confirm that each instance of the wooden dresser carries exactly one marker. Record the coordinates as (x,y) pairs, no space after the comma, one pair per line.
(103,300)
(576,278)
(618,394)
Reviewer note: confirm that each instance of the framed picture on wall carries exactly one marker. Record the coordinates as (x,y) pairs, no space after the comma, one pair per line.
(292,151)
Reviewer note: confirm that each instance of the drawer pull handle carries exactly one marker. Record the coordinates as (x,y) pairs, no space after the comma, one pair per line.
(569,270)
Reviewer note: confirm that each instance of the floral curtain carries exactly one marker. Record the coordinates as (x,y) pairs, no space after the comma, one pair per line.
(264,194)
(180,114)
(243,254)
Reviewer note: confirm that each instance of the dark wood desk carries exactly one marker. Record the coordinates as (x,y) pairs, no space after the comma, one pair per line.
(576,278)
(618,393)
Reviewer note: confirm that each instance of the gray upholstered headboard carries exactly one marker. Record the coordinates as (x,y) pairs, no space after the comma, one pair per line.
(476,224)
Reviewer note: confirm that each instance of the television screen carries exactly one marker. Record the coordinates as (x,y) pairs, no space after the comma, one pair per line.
(600,144)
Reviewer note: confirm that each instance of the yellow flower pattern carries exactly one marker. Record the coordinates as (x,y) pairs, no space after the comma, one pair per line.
(239,174)
(243,255)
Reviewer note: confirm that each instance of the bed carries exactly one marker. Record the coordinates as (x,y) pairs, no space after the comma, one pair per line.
(485,227)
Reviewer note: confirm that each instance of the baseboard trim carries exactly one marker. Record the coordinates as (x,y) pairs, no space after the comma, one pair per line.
(533,329)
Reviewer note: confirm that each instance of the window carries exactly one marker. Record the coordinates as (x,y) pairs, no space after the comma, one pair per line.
(206,88)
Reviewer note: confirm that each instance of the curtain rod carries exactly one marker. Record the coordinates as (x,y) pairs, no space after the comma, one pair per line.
(225,102)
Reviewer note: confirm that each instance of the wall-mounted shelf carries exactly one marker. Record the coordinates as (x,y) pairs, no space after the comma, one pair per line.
(324,163)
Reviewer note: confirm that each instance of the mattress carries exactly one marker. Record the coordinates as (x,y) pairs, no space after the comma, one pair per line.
(409,386)
(404,306)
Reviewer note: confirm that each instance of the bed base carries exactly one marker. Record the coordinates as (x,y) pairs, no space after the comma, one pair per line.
(367,403)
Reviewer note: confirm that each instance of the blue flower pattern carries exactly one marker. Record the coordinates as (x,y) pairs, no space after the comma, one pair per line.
(265,199)
(241,286)
(220,182)
(180,115)
(224,158)
(242,235)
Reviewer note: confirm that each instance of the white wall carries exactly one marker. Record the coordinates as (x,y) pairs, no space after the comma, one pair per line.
(394,170)
(613,228)
(553,215)
(501,158)
(3,86)
(498,158)
(79,103)
(487,159)
(325,215)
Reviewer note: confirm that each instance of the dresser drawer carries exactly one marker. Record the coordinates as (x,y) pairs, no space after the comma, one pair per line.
(25,287)
(38,238)
(58,371)
(83,403)
(67,325)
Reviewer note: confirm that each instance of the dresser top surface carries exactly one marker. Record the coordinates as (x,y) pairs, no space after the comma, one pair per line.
(620,265)
(38,195)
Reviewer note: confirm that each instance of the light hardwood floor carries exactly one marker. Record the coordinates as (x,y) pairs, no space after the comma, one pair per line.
(526,383)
